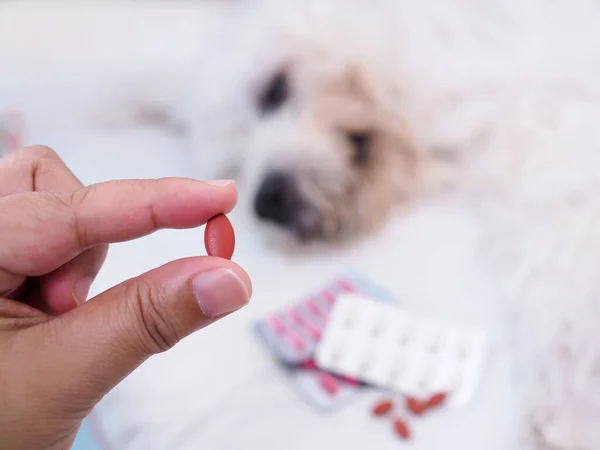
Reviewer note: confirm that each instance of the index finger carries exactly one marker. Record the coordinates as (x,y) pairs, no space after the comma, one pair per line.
(39,231)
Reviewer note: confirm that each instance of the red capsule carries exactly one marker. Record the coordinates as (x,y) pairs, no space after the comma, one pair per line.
(401,429)
(415,406)
(219,237)
(383,407)
(436,400)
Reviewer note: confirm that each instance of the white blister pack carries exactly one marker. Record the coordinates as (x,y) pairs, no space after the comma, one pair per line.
(392,348)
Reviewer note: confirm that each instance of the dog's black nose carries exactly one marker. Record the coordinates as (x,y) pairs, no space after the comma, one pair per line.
(277,199)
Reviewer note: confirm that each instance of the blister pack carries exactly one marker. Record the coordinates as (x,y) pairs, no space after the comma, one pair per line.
(293,334)
(395,349)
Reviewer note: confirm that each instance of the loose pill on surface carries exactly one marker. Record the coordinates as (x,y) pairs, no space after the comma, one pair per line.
(415,406)
(436,400)
(383,407)
(401,429)
(219,237)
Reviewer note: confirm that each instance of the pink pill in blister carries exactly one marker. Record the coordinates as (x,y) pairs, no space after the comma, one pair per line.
(296,316)
(295,340)
(276,324)
(328,296)
(314,332)
(345,286)
(329,383)
(313,308)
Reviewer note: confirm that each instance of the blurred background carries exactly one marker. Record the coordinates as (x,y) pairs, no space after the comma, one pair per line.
(222,389)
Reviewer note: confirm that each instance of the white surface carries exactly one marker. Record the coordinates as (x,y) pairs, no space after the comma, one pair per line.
(220,388)
(533,246)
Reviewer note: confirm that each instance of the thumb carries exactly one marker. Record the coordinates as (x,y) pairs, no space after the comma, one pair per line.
(87,351)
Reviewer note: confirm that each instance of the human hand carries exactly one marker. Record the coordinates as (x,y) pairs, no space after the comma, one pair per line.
(58,355)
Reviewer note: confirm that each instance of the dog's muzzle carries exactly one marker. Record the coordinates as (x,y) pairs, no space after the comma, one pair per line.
(280,201)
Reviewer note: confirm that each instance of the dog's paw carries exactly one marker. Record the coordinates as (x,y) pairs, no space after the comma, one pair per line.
(568,424)
(566,397)
(123,108)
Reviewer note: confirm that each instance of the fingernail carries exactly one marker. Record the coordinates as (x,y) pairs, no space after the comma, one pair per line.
(81,289)
(220,291)
(220,183)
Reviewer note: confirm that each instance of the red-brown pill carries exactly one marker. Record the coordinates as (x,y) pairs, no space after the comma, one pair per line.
(382,408)
(401,429)
(219,237)
(436,400)
(415,406)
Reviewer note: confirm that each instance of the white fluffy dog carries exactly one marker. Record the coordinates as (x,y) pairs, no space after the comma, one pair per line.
(333,113)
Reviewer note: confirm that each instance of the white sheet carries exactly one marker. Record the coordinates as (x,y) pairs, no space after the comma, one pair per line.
(219,389)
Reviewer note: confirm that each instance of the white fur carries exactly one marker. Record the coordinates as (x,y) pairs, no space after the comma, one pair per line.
(510,88)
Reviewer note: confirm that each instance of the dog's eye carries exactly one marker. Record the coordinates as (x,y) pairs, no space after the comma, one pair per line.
(361,146)
(275,94)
